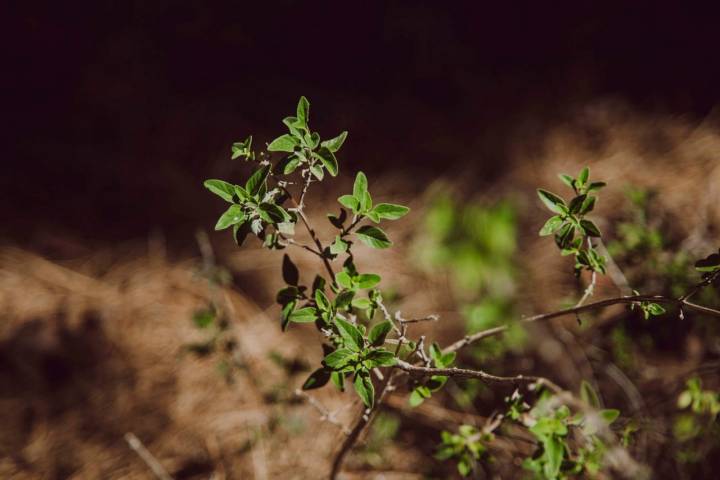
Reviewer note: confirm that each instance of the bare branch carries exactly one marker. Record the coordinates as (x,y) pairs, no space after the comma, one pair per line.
(147,457)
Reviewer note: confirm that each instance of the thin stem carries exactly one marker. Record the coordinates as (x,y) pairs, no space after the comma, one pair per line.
(681,302)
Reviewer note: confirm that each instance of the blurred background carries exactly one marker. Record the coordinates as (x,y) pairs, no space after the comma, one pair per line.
(115,112)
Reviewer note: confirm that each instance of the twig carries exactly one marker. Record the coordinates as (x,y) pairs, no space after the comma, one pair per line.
(681,302)
(325,414)
(147,457)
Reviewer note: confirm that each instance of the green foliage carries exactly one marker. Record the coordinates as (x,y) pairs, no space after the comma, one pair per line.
(572,231)
(423,389)
(466,447)
(553,426)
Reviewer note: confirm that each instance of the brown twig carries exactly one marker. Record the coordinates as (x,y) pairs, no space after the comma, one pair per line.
(137,446)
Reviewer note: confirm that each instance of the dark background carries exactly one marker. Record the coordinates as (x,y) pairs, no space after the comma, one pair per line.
(116,111)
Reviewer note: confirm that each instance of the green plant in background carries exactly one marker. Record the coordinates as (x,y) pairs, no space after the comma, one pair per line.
(467,447)
(573,232)
(342,302)
(476,247)
(698,420)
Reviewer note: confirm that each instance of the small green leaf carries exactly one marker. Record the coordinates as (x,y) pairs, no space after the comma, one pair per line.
(360,186)
(338,246)
(335,143)
(221,188)
(232,216)
(576,203)
(343,299)
(591,230)
(551,225)
(609,415)
(317,379)
(203,318)
(418,395)
(322,301)
(349,201)
(303,110)
(364,388)
(390,211)
(366,202)
(588,394)
(379,332)
(304,315)
(350,334)
(343,279)
(338,380)
(272,213)
(709,263)
(283,143)
(373,237)
(656,309)
(588,205)
(317,170)
(367,280)
(552,201)
(328,159)
(584,175)
(241,149)
(339,358)
(290,165)
(381,358)
(567,180)
(596,186)
(362,303)
(257,180)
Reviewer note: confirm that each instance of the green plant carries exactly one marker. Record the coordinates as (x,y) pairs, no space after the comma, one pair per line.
(374,354)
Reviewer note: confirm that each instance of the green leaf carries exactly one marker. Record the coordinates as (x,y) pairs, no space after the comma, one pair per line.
(373,237)
(304,315)
(338,380)
(221,188)
(362,303)
(591,230)
(335,143)
(348,201)
(554,453)
(257,180)
(343,299)
(317,170)
(350,334)
(584,175)
(418,395)
(343,279)
(272,213)
(322,301)
(390,211)
(588,394)
(317,379)
(381,358)
(291,163)
(364,388)
(379,332)
(709,263)
(360,186)
(551,225)
(367,280)
(303,110)
(588,205)
(290,272)
(609,415)
(656,309)
(328,159)
(241,149)
(596,186)
(283,143)
(576,203)
(338,246)
(232,216)
(293,125)
(203,318)
(552,201)
(366,202)
(372,215)
(339,358)
(567,180)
